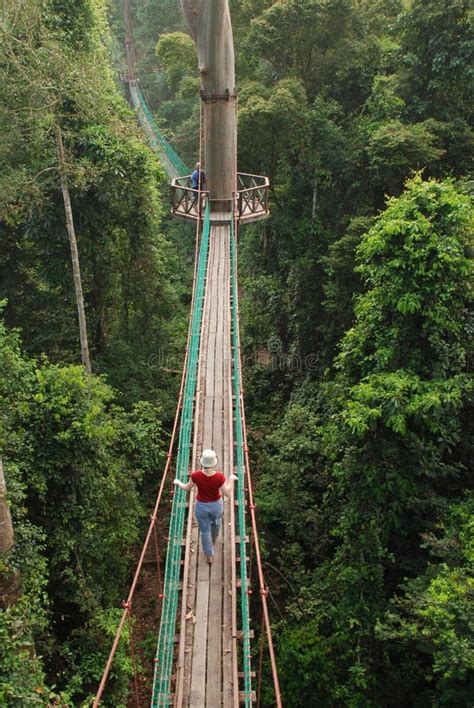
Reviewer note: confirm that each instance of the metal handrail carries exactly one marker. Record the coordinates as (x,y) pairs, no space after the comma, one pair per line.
(249,174)
(245,590)
(165,646)
(186,199)
(251,200)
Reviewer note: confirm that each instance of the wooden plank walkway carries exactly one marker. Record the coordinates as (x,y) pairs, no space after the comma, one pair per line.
(207,674)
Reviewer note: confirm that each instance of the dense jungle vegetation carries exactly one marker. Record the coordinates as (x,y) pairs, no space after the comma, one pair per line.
(357,325)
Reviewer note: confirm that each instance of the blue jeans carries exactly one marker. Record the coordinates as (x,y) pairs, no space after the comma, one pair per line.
(209,517)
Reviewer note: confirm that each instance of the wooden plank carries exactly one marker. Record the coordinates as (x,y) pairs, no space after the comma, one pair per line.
(209,669)
(220,294)
(214,641)
(197,696)
(227,675)
(207,436)
(218,387)
(188,601)
(205,613)
(214,644)
(210,368)
(229,690)
(214,277)
(235,679)
(217,433)
(187,606)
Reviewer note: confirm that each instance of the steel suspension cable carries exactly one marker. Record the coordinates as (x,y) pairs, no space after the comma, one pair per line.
(239,444)
(165,647)
(262,585)
(127,605)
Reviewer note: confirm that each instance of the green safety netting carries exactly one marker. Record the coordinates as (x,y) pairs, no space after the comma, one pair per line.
(240,487)
(164,652)
(162,143)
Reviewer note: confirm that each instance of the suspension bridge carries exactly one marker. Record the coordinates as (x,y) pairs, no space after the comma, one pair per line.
(208,653)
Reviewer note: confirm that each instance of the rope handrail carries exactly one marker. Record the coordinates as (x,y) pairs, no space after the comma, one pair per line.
(165,646)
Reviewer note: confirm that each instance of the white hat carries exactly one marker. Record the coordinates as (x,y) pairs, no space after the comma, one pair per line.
(208,458)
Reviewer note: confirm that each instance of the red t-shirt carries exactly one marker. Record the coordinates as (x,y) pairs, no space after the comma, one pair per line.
(208,487)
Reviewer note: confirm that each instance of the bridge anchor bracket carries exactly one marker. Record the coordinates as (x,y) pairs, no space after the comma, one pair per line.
(214,96)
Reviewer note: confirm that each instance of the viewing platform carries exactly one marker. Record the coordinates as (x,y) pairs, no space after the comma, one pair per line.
(250,200)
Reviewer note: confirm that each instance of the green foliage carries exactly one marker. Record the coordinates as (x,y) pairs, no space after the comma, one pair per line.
(74,20)
(77,483)
(304,649)
(437,44)
(73,460)
(176,53)
(413,261)
(131,278)
(397,435)
(361,469)
(433,616)
(86,653)
(22,675)
(21,672)
(275,118)
(395,148)
(151,19)
(306,39)
(363,484)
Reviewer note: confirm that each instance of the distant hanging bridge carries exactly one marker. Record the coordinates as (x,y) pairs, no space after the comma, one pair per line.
(173,164)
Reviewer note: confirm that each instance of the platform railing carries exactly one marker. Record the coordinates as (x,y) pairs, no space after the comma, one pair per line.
(251,199)
(186,199)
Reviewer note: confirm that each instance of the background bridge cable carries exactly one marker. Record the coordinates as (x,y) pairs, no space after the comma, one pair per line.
(173,164)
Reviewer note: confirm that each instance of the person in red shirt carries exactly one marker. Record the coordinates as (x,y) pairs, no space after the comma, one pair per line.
(209,506)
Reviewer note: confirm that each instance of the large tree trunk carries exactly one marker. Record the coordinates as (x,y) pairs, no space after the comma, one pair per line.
(210,26)
(9,580)
(6,526)
(74,252)
(129,48)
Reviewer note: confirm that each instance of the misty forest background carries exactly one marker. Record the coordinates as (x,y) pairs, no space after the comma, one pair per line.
(356,329)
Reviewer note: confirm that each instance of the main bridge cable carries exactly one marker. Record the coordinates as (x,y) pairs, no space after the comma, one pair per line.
(239,394)
(127,604)
(165,647)
(245,589)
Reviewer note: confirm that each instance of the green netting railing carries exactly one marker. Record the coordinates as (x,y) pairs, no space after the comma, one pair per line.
(164,651)
(240,494)
(164,145)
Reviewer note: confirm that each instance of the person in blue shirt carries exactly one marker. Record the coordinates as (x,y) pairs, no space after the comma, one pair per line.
(198,177)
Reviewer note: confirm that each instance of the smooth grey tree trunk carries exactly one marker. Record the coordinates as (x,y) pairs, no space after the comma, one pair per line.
(210,26)
(74,252)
